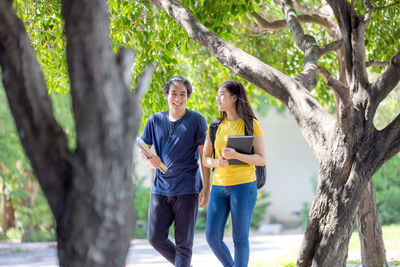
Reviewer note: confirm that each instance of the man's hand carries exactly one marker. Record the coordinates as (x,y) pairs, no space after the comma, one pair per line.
(153,162)
(204,197)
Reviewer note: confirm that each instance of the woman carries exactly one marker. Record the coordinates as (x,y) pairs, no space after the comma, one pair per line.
(234,186)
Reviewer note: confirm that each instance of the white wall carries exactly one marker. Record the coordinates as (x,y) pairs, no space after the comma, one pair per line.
(290,167)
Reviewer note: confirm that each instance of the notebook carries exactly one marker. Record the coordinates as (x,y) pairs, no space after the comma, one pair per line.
(242,144)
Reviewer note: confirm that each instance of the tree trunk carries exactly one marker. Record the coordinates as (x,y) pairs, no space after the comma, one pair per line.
(329,228)
(89,190)
(370,231)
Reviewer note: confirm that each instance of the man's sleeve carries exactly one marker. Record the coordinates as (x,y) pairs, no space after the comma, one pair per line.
(201,132)
(148,132)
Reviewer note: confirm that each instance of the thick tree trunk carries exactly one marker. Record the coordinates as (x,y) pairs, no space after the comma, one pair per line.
(370,231)
(89,190)
(329,228)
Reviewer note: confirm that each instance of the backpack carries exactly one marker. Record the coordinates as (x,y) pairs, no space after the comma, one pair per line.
(261,171)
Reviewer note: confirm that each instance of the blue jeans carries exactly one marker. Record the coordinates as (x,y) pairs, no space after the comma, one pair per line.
(180,210)
(239,200)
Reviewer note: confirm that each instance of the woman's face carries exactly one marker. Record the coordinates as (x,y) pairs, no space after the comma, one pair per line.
(225,100)
(177,97)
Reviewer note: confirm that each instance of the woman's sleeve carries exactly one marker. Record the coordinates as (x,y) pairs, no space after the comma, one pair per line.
(257,131)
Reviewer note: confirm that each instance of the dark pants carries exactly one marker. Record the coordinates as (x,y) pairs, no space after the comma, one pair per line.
(163,211)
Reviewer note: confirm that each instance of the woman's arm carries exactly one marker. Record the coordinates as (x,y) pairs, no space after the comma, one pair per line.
(207,159)
(258,158)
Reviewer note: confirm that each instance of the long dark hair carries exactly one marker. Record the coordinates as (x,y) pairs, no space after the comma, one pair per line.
(243,107)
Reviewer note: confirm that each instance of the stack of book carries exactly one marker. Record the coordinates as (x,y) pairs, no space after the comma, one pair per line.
(147,151)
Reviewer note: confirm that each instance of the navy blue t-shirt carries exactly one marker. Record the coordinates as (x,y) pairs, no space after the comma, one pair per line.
(176,143)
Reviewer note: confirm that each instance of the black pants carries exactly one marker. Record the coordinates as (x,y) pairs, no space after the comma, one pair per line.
(163,211)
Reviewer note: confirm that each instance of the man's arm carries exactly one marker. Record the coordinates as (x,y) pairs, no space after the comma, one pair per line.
(152,163)
(205,192)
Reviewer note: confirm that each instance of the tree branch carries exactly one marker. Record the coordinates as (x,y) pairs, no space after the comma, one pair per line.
(342,96)
(388,6)
(336,45)
(265,25)
(388,143)
(353,32)
(369,10)
(305,108)
(140,90)
(386,82)
(241,63)
(373,63)
(307,44)
(341,90)
(124,61)
(100,80)
(324,11)
(42,138)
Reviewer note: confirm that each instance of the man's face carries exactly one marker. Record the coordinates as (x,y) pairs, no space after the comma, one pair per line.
(177,97)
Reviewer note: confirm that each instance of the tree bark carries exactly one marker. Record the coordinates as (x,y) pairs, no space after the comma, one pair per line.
(89,190)
(370,230)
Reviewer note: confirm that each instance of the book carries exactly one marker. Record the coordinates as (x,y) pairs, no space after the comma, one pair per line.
(147,151)
(242,144)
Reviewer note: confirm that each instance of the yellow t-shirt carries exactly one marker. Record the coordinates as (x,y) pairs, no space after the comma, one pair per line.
(233,174)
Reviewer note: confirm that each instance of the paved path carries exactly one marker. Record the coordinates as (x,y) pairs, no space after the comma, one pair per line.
(268,249)
(263,247)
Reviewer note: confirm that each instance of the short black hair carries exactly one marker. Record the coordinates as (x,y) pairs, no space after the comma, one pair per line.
(178,79)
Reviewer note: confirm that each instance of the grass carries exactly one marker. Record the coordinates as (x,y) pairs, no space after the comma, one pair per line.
(285,260)
(391,238)
(19,250)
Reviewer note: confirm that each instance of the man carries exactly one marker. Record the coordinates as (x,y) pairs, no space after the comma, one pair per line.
(178,136)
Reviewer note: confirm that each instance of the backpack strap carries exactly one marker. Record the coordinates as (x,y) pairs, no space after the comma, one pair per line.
(213,131)
(246,133)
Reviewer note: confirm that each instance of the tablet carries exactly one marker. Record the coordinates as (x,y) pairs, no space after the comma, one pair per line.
(242,144)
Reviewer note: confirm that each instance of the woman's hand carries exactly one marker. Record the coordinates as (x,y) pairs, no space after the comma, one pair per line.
(222,162)
(229,153)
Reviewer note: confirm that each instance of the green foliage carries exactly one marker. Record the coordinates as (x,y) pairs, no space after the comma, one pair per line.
(259,210)
(15,173)
(157,39)
(305,210)
(141,199)
(387,188)
(388,109)
(45,26)
(63,113)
